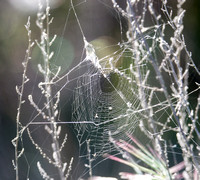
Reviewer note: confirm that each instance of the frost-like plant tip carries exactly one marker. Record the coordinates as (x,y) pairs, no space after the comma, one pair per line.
(21,153)
(42,172)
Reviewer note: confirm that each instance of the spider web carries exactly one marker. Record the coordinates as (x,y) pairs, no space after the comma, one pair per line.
(110,102)
(120,92)
(106,101)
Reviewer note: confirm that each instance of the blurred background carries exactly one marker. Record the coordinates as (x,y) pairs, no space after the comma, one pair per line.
(98,19)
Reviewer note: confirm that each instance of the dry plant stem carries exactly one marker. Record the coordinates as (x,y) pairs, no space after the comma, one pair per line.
(181,78)
(161,80)
(139,78)
(162,83)
(20,92)
(49,101)
(89,158)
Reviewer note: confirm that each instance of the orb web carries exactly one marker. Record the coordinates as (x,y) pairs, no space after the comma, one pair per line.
(108,105)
